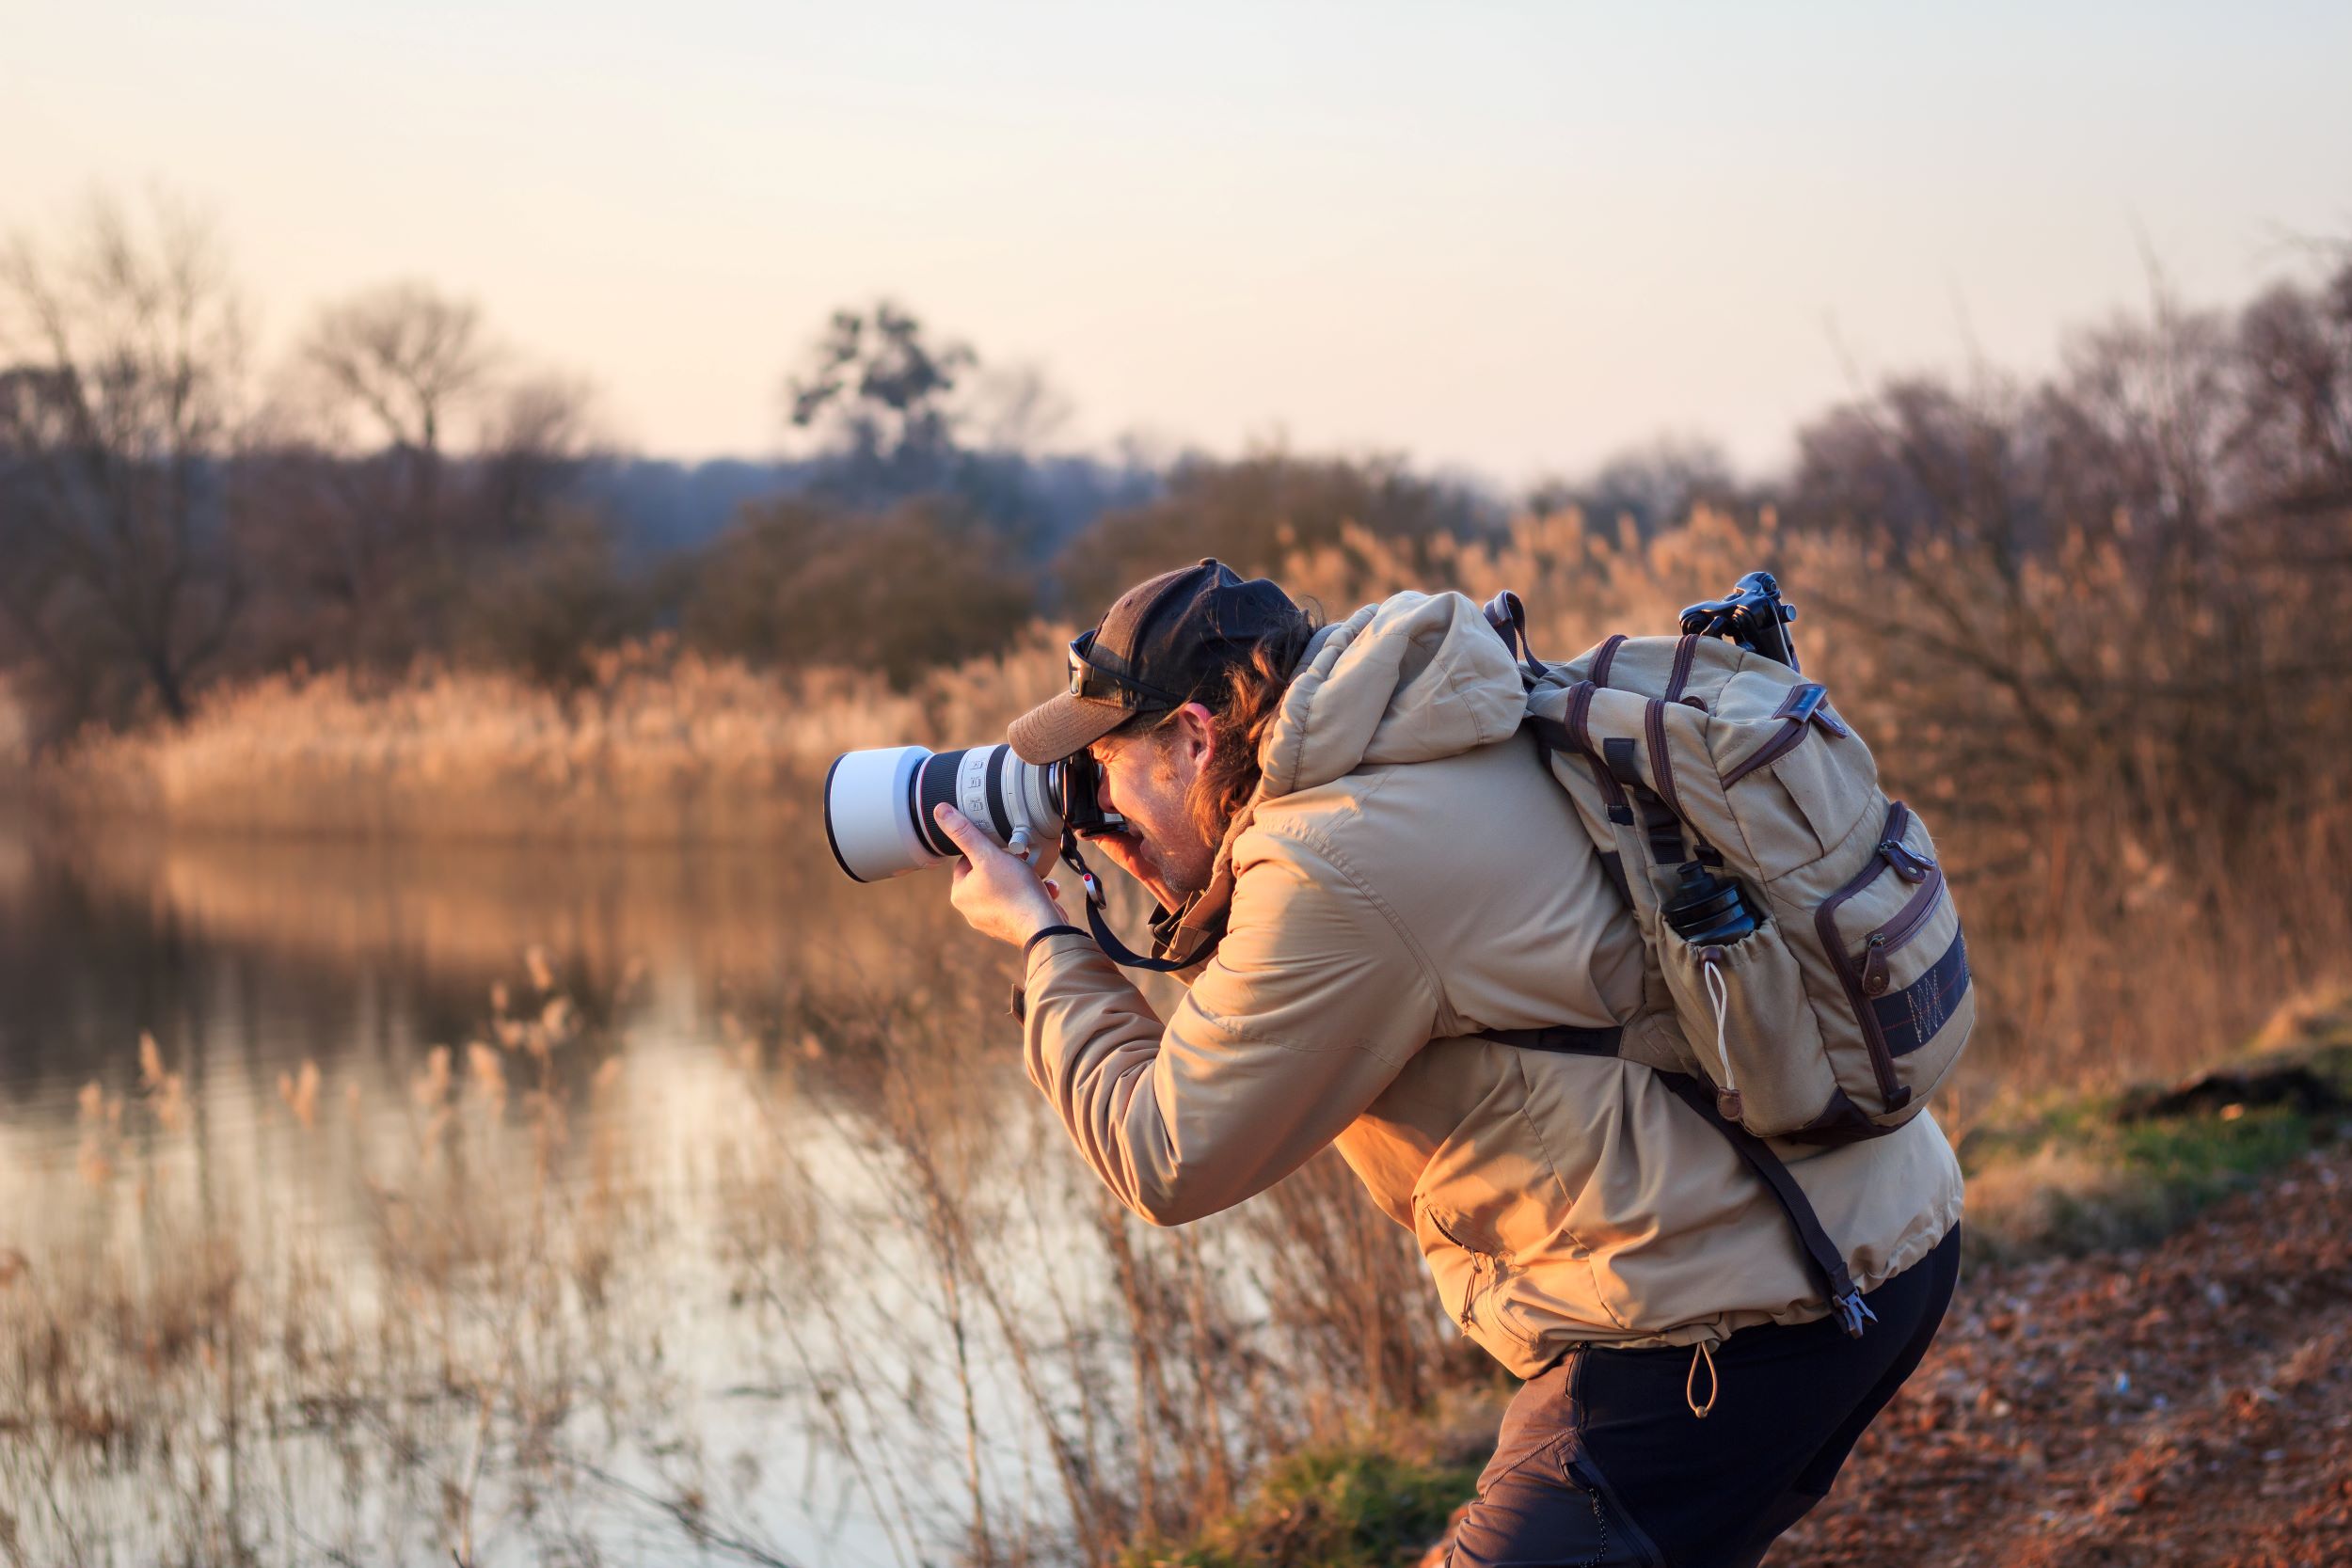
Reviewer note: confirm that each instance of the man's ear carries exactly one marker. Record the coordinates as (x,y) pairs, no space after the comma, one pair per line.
(1197,725)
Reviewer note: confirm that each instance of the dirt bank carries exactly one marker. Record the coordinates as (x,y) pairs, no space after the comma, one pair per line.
(2190,1403)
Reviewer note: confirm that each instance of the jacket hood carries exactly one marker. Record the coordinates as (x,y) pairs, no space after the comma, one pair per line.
(1415,677)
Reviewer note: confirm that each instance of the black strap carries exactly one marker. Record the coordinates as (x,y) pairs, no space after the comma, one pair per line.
(1567,1039)
(1660,827)
(1126,957)
(1049,932)
(1508,616)
(1555,736)
(1845,1303)
(1107,938)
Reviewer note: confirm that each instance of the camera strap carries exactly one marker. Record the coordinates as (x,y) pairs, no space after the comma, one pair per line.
(1107,938)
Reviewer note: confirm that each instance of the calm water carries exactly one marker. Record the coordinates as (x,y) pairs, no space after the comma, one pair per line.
(772,1095)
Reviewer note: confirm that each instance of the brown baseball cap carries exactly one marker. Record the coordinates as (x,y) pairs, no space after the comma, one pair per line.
(1153,650)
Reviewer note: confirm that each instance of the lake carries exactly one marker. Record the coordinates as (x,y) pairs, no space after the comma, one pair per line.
(372,1203)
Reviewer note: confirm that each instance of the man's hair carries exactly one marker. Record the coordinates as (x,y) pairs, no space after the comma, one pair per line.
(1242,700)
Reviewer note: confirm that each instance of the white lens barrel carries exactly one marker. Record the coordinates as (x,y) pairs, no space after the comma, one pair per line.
(877,805)
(870,813)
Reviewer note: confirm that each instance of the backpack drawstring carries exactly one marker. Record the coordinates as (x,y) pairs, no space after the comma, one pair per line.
(1690,1381)
(1719,992)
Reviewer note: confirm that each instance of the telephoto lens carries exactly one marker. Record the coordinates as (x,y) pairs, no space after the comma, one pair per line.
(877,805)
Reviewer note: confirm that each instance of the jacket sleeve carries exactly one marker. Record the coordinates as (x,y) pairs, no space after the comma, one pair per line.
(1312,1004)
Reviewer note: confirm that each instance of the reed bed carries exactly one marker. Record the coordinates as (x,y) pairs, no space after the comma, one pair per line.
(2138,805)
(882,1227)
(660,745)
(500,1308)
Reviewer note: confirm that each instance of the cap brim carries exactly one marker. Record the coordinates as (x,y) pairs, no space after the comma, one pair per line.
(1063,725)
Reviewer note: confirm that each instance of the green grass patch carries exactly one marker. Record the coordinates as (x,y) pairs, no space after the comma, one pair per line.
(1326,1507)
(2082,1173)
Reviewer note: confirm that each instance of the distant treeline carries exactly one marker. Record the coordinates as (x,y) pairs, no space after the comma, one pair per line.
(403,488)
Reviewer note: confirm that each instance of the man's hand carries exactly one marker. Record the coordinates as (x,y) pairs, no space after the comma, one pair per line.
(994,889)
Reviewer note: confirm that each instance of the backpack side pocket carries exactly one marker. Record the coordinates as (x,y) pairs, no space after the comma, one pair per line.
(1752,1027)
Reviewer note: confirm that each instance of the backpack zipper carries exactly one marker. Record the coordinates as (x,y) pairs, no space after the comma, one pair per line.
(1767,754)
(1892,1092)
(1662,764)
(1897,933)
(1798,717)
(1685,652)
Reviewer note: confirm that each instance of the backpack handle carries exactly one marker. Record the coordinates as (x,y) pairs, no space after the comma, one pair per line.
(1508,616)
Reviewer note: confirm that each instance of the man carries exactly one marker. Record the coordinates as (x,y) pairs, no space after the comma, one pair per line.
(1362,866)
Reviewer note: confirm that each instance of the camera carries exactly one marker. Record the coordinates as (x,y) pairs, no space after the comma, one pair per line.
(878,803)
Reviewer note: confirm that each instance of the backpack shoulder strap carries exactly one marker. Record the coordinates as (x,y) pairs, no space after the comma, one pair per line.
(1845,1300)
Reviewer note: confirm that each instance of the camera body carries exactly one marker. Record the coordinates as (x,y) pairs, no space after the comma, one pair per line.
(879,804)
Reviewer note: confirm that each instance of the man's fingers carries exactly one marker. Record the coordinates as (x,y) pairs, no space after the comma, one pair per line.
(958,826)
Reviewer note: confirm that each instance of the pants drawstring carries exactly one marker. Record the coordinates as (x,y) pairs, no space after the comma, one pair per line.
(1689,1383)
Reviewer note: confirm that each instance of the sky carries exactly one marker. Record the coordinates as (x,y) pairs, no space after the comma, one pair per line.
(1507,240)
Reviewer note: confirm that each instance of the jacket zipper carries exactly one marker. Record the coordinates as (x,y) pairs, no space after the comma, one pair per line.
(1897,933)
(1892,1093)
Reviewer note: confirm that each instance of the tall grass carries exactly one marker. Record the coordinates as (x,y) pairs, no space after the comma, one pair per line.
(202,1365)
(2138,809)
(660,745)
(995,1357)
(2138,797)
(498,1307)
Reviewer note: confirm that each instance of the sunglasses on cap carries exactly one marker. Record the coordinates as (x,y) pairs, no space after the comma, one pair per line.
(1094,682)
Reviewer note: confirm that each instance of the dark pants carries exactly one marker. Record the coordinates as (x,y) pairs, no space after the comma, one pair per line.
(1601,1461)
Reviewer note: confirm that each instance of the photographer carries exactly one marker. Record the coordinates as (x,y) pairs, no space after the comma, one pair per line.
(1362,867)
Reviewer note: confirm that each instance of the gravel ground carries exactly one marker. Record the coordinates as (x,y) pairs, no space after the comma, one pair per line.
(2187,1404)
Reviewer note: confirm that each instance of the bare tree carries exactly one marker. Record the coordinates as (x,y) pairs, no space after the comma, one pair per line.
(408,357)
(540,433)
(124,403)
(367,503)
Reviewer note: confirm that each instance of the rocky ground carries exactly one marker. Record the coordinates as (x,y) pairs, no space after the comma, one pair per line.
(2186,1404)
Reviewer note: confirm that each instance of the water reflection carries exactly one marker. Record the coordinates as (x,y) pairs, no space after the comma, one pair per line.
(599,1197)
(300,1000)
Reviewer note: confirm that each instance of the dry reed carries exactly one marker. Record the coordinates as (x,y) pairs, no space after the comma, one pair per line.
(1060,1380)
(522,1349)
(2126,920)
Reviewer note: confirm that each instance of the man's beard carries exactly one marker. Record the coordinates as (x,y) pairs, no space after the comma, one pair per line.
(1187,884)
(1151,856)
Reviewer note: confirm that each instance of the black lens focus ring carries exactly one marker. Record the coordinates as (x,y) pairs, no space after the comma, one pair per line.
(996,756)
(935,786)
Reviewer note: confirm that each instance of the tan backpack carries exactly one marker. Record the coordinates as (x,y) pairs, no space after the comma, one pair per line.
(1696,762)
(1804,959)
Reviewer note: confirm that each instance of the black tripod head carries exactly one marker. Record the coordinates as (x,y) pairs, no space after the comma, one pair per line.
(1752,615)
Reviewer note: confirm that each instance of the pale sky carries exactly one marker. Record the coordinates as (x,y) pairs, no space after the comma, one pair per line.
(1503,238)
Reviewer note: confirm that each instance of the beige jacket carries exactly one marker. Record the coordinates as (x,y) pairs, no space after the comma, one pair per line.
(1411,874)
